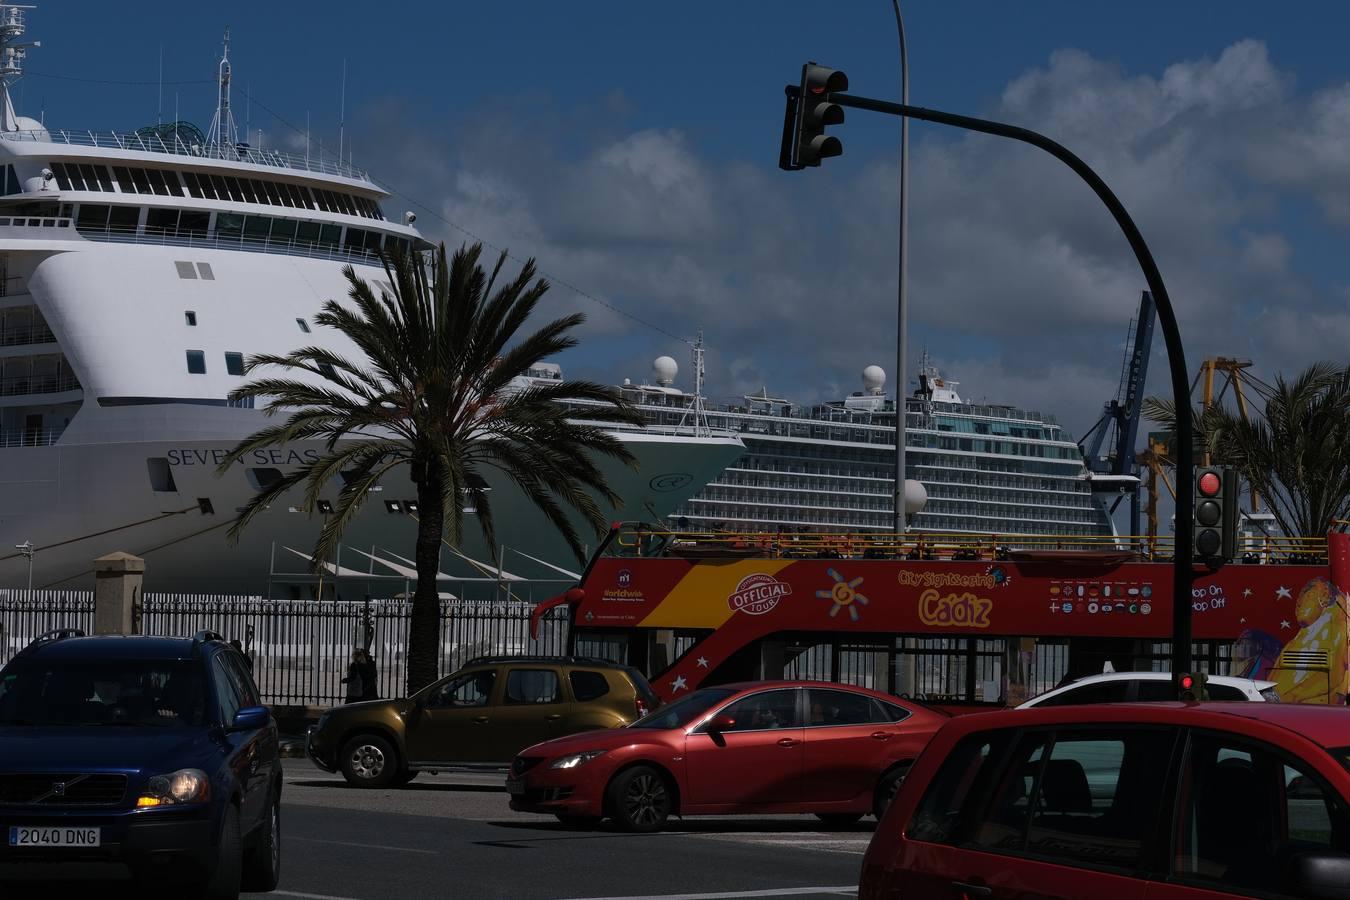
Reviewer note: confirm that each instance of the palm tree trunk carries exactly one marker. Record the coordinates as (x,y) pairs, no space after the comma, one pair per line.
(424,630)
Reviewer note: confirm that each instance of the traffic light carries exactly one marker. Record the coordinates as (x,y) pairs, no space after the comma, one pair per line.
(1216,514)
(815,112)
(1192,686)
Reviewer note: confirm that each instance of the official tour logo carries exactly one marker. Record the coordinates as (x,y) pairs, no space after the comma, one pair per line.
(758,594)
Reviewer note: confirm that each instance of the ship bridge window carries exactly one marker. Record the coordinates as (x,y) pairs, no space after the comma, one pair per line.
(193,222)
(229,225)
(161,221)
(161,474)
(284,230)
(92,216)
(257,227)
(124,219)
(262,479)
(196,362)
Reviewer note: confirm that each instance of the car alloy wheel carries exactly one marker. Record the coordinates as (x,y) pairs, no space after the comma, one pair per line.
(368,761)
(646,802)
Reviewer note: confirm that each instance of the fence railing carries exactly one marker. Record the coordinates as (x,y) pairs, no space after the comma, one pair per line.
(300,649)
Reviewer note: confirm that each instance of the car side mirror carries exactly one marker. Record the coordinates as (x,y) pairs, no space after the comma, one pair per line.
(1320,875)
(250,718)
(719,724)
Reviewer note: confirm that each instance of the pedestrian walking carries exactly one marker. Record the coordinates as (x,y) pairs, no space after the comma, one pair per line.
(355,680)
(370,677)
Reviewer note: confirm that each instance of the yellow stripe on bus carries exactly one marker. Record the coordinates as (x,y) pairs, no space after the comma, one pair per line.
(700,598)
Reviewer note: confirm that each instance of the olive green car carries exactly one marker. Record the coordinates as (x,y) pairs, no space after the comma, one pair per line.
(479,717)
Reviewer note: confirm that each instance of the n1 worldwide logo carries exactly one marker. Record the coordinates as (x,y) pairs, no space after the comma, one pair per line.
(758,594)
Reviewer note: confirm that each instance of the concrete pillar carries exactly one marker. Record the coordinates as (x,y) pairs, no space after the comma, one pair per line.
(117,593)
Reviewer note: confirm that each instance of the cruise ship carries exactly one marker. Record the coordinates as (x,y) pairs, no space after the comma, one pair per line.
(987,469)
(138,270)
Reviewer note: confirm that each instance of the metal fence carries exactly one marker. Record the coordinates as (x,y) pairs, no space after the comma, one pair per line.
(26,614)
(300,649)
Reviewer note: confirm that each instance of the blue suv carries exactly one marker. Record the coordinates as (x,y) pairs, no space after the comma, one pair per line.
(144,757)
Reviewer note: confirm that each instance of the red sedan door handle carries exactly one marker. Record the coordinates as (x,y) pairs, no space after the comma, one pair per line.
(881,735)
(788,742)
(479,720)
(966,889)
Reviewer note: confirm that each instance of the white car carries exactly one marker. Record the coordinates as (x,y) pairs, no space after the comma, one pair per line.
(1128,687)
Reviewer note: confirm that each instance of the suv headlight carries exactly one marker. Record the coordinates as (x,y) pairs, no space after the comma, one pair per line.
(176,788)
(576,759)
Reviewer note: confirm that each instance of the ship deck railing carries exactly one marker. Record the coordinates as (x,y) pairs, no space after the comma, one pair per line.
(929,546)
(27,334)
(288,247)
(19,385)
(33,437)
(153,143)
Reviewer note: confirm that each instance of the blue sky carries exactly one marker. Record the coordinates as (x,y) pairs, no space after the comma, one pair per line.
(631,147)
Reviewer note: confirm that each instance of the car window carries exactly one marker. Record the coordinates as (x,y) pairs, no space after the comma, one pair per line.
(243,681)
(530,686)
(763,711)
(1114,691)
(891,712)
(102,692)
(938,817)
(473,689)
(825,707)
(1224,692)
(680,713)
(1156,689)
(1087,797)
(587,685)
(228,699)
(1245,805)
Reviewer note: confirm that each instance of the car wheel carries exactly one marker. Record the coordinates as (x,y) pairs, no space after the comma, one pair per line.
(839,820)
(262,862)
(368,761)
(224,881)
(639,799)
(574,821)
(886,788)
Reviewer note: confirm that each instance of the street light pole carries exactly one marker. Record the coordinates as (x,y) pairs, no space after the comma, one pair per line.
(27,548)
(901,310)
(1183,560)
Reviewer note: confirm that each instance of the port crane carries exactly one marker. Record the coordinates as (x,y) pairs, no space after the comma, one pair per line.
(1108,446)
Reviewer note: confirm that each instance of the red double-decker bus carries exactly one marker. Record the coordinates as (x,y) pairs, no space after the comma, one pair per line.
(952,620)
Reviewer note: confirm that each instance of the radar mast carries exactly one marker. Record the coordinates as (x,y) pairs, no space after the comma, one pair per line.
(12,54)
(223,131)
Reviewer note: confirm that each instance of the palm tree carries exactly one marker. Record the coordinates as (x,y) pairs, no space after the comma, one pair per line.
(1296,456)
(433,393)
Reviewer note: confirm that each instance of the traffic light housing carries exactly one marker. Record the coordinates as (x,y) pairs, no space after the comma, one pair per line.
(1216,514)
(1192,686)
(815,113)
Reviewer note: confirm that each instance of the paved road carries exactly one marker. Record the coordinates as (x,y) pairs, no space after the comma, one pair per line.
(453,836)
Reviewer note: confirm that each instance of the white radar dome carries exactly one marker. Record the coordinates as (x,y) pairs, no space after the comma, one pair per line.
(916,497)
(664,371)
(874,379)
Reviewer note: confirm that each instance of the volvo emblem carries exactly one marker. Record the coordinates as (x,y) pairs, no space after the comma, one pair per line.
(59,789)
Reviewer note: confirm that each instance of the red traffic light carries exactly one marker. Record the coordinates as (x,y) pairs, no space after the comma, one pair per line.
(1210,484)
(1187,682)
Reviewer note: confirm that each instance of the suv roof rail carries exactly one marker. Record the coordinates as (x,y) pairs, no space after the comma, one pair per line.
(56,634)
(207,635)
(584,660)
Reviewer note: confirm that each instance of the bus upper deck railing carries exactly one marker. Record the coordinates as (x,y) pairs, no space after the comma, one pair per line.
(634,541)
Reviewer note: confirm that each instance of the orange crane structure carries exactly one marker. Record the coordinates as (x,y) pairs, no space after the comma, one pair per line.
(1157,458)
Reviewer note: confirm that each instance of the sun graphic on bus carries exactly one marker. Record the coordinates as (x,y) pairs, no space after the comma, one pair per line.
(843,595)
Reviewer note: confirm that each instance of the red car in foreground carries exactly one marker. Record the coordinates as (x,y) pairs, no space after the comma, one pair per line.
(1152,801)
(760,747)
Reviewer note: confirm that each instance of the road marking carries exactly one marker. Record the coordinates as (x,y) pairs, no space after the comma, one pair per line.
(310,896)
(729,895)
(363,846)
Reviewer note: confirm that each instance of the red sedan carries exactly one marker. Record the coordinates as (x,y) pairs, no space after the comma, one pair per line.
(761,747)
